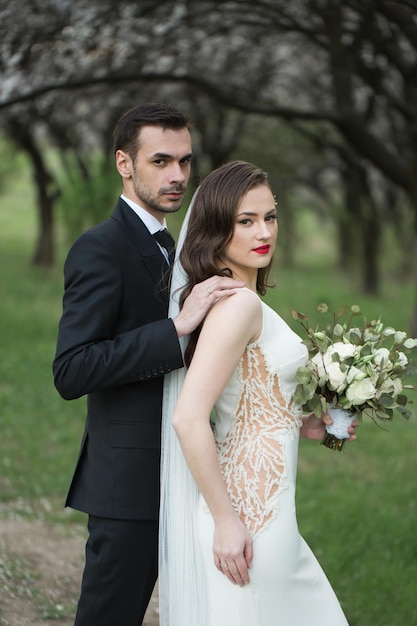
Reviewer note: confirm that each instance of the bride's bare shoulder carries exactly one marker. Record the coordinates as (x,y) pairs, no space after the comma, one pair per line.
(242,297)
(243,308)
(234,318)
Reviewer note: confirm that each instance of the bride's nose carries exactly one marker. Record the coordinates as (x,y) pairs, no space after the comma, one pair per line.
(263,231)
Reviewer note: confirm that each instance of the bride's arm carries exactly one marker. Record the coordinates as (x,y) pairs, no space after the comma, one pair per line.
(229,327)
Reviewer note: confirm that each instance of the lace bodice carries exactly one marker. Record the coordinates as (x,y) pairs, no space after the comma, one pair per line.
(254,415)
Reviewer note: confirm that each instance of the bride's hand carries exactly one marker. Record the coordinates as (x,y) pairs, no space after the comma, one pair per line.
(315,428)
(233,550)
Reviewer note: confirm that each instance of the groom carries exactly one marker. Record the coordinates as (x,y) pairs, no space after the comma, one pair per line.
(115,343)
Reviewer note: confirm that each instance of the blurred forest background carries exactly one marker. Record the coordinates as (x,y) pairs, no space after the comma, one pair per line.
(322,94)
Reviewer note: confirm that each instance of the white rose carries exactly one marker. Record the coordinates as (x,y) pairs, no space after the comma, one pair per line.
(401,360)
(360,391)
(344,350)
(355,373)
(381,358)
(374,372)
(399,337)
(321,363)
(337,378)
(391,386)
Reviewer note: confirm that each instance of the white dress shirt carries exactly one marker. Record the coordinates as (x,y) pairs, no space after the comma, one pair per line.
(151,223)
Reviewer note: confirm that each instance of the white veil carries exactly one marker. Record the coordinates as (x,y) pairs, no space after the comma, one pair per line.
(181,574)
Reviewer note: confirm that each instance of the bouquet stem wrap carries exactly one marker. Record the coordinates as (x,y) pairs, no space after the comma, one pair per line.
(337,433)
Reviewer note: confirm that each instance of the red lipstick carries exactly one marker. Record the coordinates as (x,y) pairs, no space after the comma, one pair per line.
(262,249)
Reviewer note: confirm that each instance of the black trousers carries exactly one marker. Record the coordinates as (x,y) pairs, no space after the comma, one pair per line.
(121,569)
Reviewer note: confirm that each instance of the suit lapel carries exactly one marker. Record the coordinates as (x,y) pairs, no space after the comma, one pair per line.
(148,249)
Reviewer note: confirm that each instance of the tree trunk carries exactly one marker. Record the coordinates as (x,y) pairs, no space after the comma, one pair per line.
(363,211)
(44,253)
(371,238)
(346,241)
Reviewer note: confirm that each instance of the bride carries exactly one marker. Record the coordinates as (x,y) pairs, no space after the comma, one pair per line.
(230,550)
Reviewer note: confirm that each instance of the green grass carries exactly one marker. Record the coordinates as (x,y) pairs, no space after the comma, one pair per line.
(357,510)
(40,433)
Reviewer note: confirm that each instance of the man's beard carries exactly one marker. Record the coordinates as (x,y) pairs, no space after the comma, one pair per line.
(150,200)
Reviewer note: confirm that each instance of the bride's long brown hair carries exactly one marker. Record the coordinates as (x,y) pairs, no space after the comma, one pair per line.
(211,226)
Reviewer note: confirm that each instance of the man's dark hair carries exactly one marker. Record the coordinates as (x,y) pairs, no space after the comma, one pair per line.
(126,132)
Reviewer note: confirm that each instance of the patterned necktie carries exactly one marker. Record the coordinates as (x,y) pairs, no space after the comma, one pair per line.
(165,239)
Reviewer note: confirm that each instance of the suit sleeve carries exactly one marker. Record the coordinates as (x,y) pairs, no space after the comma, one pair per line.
(92,353)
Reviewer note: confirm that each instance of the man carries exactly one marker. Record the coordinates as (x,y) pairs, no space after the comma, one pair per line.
(115,343)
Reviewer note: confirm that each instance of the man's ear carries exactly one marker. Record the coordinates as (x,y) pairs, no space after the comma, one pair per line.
(124,164)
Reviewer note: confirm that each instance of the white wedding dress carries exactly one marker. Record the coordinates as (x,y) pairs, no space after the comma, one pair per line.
(257,432)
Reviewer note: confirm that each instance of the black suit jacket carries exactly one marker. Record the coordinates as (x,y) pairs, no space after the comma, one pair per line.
(115,344)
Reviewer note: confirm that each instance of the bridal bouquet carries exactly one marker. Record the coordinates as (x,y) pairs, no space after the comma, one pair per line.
(353,371)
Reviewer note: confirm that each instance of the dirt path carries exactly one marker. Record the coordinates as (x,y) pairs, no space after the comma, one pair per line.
(40,573)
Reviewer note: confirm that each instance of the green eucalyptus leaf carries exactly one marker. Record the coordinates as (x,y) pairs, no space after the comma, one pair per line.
(402,399)
(318,411)
(384,415)
(303,375)
(355,338)
(406,413)
(386,401)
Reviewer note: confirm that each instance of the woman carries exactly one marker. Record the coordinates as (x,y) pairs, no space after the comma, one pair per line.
(231,553)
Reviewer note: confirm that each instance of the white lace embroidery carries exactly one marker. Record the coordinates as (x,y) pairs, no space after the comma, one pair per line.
(251,456)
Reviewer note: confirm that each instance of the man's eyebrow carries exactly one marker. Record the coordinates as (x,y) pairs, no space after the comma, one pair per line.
(163,155)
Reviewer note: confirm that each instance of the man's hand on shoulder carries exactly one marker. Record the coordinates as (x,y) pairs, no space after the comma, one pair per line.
(200,301)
